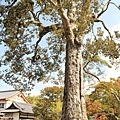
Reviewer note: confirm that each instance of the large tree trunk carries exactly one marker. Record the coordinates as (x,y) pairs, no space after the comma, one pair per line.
(74,107)
(73,102)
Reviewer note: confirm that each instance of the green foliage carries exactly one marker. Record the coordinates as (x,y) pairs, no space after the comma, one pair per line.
(20,42)
(33,99)
(48,105)
(102,101)
(53,93)
(106,47)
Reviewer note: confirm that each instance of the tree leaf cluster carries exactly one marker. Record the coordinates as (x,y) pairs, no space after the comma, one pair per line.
(49,104)
(105,47)
(106,98)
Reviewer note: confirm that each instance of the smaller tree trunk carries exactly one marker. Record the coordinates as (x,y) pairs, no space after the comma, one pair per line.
(82,96)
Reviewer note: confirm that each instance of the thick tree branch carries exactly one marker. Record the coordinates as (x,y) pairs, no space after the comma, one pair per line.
(68,32)
(53,3)
(89,72)
(43,32)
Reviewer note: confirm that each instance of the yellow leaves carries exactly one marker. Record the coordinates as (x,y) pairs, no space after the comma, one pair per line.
(48,105)
(58,106)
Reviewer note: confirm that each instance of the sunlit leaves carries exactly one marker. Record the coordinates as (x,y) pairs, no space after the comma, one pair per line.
(20,32)
(48,105)
(98,5)
(105,46)
(48,11)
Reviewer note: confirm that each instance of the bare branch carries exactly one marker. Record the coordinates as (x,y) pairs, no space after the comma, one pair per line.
(115,5)
(103,10)
(11,4)
(44,31)
(104,27)
(108,3)
(86,64)
(89,72)
(34,15)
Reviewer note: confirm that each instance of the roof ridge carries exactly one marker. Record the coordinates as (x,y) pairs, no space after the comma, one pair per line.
(9,91)
(23,103)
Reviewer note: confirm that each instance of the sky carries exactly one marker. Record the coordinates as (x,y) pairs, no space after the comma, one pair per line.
(112,21)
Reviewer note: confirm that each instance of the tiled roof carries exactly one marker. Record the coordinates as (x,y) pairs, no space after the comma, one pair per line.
(7,94)
(22,107)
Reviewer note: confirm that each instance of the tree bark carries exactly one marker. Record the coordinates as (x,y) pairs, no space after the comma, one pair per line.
(74,107)
(82,94)
(73,102)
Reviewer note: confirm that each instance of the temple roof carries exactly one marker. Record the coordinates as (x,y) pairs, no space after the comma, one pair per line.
(21,107)
(5,95)
(8,94)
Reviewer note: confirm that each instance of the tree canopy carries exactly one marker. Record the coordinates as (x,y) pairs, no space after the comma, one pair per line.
(105,100)
(102,103)
(48,105)
(29,56)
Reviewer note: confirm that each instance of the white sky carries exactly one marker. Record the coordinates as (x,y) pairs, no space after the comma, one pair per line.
(112,21)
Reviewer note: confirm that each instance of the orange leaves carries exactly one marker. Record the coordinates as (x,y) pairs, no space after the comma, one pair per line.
(104,101)
(93,107)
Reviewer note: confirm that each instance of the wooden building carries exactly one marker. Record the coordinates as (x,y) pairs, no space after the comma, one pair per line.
(14,106)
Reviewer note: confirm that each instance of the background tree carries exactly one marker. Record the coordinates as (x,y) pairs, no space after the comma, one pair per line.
(93,108)
(106,99)
(48,106)
(23,26)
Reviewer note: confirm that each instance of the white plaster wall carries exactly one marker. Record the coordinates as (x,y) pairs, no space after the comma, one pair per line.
(15,116)
(8,103)
(25,119)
